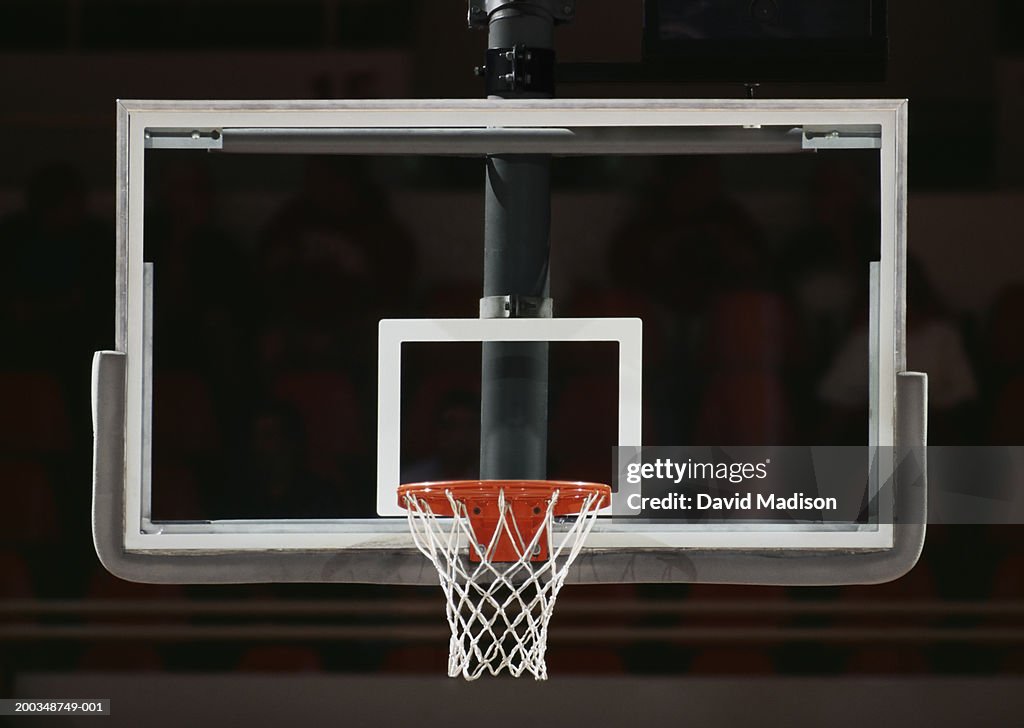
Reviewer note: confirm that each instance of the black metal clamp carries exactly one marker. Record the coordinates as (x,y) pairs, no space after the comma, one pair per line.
(515,306)
(519,69)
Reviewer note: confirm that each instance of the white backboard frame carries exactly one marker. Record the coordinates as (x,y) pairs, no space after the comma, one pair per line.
(392,333)
(139,117)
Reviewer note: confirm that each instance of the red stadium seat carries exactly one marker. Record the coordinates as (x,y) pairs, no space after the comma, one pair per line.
(15,577)
(29,515)
(918,583)
(1008,586)
(590,604)
(740,595)
(583,661)
(105,587)
(887,661)
(916,587)
(1013,661)
(1007,425)
(280,658)
(428,659)
(120,657)
(732,661)
(1005,344)
(1008,582)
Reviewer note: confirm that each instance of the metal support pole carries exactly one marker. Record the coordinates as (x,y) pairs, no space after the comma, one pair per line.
(514,386)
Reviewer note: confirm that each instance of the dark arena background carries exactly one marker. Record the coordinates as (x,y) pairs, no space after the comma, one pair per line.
(272,272)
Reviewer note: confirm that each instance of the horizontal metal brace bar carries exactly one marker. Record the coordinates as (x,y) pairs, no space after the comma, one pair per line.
(183,139)
(483,141)
(847,137)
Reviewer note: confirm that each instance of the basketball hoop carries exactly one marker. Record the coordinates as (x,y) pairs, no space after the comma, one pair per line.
(501,562)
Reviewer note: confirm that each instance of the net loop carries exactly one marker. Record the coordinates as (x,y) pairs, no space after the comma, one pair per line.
(501,596)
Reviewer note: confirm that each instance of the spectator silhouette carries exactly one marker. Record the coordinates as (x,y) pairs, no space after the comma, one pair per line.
(827,261)
(656,252)
(455,452)
(58,280)
(934,346)
(747,341)
(269,477)
(333,261)
(1004,358)
(201,281)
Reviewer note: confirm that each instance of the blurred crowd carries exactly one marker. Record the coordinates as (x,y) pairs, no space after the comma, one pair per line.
(265,358)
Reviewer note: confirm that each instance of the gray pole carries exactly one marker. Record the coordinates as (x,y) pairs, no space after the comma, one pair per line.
(514,386)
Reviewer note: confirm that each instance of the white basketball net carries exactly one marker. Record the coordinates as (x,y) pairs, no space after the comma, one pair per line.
(498,611)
